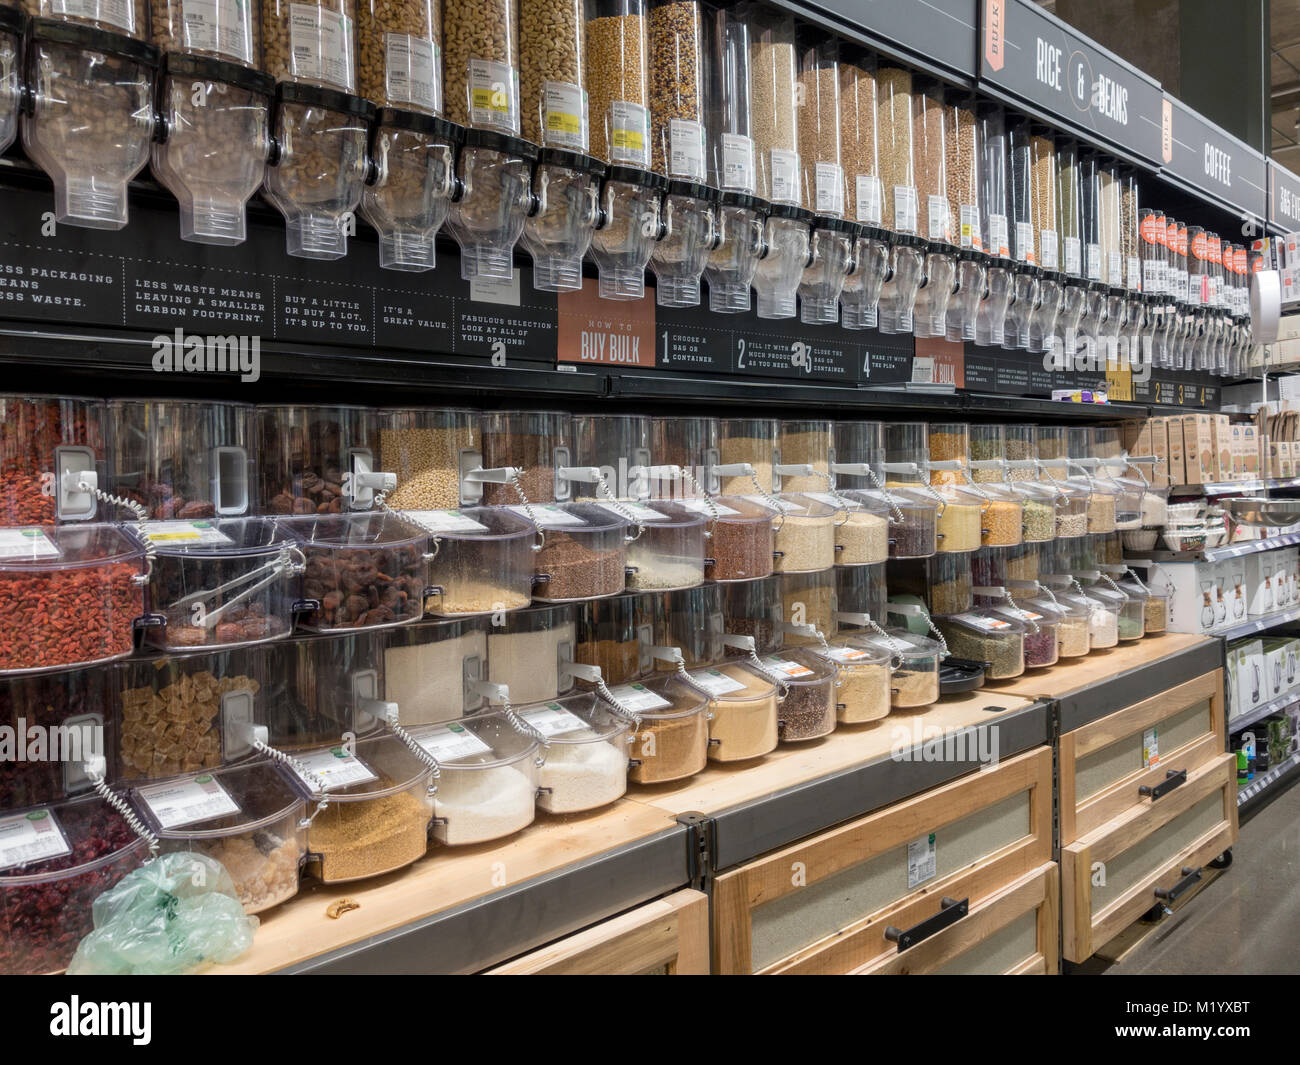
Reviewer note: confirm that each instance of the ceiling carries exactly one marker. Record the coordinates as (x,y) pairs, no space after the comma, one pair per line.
(1284,23)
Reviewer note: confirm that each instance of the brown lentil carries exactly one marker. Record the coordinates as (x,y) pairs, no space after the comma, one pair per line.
(931,159)
(773,113)
(482,31)
(819,134)
(858,103)
(584,567)
(894,131)
(551,85)
(400,53)
(312,42)
(676,104)
(616,75)
(741,551)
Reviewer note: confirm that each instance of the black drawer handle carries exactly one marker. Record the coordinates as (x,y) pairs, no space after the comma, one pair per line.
(1190,877)
(1172,779)
(951,911)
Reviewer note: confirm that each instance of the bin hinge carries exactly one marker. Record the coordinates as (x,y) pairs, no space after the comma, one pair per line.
(701,845)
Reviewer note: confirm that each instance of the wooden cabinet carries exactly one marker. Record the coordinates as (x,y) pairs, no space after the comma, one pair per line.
(668,937)
(1012,933)
(1113,874)
(823,905)
(1109,766)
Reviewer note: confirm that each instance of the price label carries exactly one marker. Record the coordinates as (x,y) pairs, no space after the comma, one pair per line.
(637,510)
(699,506)
(983,624)
(629,133)
(783,173)
(905,208)
(639,699)
(922,861)
(870,200)
(452,743)
(550,517)
(26,543)
(553,720)
(446,521)
(186,802)
(184,532)
(787,668)
(31,837)
(336,768)
(847,655)
(716,682)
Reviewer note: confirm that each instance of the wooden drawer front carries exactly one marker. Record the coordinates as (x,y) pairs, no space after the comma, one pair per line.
(1110,875)
(821,906)
(1014,931)
(668,937)
(1102,763)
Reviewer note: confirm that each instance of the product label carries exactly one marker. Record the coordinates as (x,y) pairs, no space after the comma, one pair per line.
(716,682)
(686,149)
(629,133)
(31,837)
(441,521)
(321,46)
(218,26)
(184,532)
(971,236)
(783,170)
(1115,269)
(186,802)
(551,517)
(1150,748)
(553,720)
(787,668)
(564,122)
(1073,249)
(412,71)
(937,218)
(452,743)
(983,624)
(121,13)
(26,543)
(922,861)
(871,197)
(999,240)
(1151,276)
(737,162)
(699,506)
(832,501)
(639,699)
(1027,615)
(847,655)
(639,512)
(1048,249)
(1092,260)
(904,209)
(1025,242)
(336,768)
(493,95)
(829,180)
(1133,273)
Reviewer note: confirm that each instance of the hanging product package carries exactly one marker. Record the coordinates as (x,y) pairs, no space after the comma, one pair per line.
(169,916)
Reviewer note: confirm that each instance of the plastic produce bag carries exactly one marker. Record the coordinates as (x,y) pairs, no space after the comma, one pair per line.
(171,915)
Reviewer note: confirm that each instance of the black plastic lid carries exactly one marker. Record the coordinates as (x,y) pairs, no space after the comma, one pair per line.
(297,92)
(1096,286)
(875,233)
(789,210)
(1116,290)
(57,31)
(837,225)
(942,247)
(418,122)
(960,675)
(208,68)
(909,240)
(746,200)
(501,142)
(1054,275)
(970,255)
(12,19)
(699,190)
(572,160)
(635,175)
(1028,268)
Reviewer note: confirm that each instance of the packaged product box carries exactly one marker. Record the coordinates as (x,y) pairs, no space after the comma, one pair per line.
(1259,578)
(1286,457)
(1238,452)
(1199,450)
(1159,429)
(1287,249)
(1274,651)
(1221,427)
(1174,442)
(1255,690)
(1233,590)
(1136,437)
(1195,604)
(1237,673)
(1274,468)
(1249,452)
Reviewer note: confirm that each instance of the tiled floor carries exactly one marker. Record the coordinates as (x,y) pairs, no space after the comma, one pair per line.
(1247,920)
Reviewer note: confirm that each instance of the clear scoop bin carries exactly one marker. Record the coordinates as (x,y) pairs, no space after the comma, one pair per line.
(216,138)
(808,608)
(863,537)
(669,551)
(482,562)
(860,596)
(691,622)
(426,457)
(742,538)
(43,439)
(1073,627)
(526,655)
(747,453)
(1103,618)
(89,120)
(787,242)
(614,448)
(361,570)
(535,444)
(494,198)
(78,702)
(583,554)
(915,677)
(75,593)
(859,454)
(11,36)
(429,669)
(222,582)
(959,522)
(1042,623)
(751,617)
(377,808)
(318,460)
(805,534)
(732,264)
(671,741)
(411,183)
(57,860)
(250,818)
(863,686)
(987,636)
(804,457)
(317,170)
(586,753)
(744,707)
(1039,503)
(182,459)
(807,684)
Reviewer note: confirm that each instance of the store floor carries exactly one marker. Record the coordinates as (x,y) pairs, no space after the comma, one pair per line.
(1248,919)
